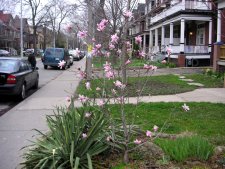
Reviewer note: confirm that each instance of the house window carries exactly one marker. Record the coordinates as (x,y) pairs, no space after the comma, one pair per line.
(200,35)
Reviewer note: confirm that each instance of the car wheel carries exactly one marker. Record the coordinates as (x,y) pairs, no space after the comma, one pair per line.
(36,84)
(45,66)
(69,65)
(22,94)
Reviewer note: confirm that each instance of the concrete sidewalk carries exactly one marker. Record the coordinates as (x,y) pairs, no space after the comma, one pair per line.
(17,124)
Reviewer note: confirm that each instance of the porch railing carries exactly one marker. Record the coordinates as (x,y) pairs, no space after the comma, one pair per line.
(222,52)
(196,4)
(196,49)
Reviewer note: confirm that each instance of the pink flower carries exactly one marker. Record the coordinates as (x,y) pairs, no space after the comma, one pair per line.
(138,39)
(82,98)
(88,85)
(84,135)
(127,62)
(111,46)
(128,44)
(163,62)
(150,67)
(185,107)
(154,68)
(119,84)
(87,114)
(101,26)
(155,128)
(69,28)
(168,50)
(77,52)
(148,133)
(61,64)
(82,34)
(107,66)
(141,53)
(98,88)
(128,14)
(101,103)
(114,38)
(120,99)
(68,99)
(98,46)
(119,51)
(108,54)
(109,75)
(82,74)
(137,141)
(93,40)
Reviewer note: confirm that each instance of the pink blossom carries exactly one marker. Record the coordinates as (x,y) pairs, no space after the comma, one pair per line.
(69,28)
(111,46)
(82,34)
(82,98)
(98,46)
(98,88)
(154,68)
(141,53)
(146,66)
(101,26)
(155,128)
(108,54)
(128,44)
(114,38)
(137,141)
(107,66)
(61,64)
(82,74)
(119,84)
(88,85)
(163,62)
(93,40)
(101,103)
(185,107)
(119,51)
(120,99)
(68,99)
(127,62)
(77,52)
(148,133)
(168,50)
(128,14)
(87,114)
(138,39)
(109,75)
(84,135)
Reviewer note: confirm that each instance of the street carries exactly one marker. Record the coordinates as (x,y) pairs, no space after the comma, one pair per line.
(45,76)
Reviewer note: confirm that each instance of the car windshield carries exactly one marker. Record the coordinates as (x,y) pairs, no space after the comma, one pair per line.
(54,52)
(7,65)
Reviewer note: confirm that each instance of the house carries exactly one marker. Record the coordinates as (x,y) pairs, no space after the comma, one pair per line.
(219,47)
(185,26)
(9,35)
(26,31)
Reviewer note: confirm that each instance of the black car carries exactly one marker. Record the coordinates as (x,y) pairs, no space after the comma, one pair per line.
(17,76)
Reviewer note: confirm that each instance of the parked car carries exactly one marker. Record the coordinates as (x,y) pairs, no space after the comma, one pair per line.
(71,60)
(17,76)
(28,52)
(53,56)
(75,54)
(4,52)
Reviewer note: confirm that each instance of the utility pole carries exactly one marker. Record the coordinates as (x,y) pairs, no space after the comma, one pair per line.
(21,28)
(90,33)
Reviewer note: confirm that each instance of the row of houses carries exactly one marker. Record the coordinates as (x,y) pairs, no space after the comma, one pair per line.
(193,29)
(10,33)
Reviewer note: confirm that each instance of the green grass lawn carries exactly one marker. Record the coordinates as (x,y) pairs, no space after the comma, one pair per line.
(154,85)
(99,61)
(204,119)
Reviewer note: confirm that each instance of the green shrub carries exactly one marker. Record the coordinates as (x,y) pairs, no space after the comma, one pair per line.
(65,146)
(187,147)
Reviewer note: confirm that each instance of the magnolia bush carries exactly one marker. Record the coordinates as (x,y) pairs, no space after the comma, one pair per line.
(78,134)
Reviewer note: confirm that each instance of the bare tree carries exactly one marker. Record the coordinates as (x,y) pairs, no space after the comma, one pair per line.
(38,13)
(4,5)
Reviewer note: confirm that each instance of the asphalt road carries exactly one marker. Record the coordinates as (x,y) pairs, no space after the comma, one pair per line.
(45,76)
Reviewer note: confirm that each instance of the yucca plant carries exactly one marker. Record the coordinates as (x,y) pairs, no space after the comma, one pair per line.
(74,137)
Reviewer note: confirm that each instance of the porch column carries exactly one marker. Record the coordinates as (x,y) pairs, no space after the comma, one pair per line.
(150,38)
(163,36)
(156,37)
(171,34)
(182,29)
(210,36)
(144,43)
(218,39)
